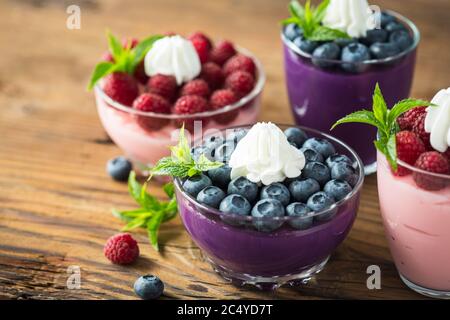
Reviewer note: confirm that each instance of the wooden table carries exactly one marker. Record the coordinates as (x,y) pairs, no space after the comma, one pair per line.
(55,197)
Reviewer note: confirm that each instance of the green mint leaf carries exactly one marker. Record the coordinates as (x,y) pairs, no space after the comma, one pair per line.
(140,195)
(321,33)
(101,70)
(391,151)
(148,201)
(182,152)
(169,189)
(169,167)
(296,10)
(115,47)
(362,116)
(128,215)
(142,48)
(135,223)
(403,106)
(204,164)
(170,210)
(379,107)
(289,21)
(320,11)
(153,228)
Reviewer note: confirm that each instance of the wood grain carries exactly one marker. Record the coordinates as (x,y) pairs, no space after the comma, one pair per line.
(55,197)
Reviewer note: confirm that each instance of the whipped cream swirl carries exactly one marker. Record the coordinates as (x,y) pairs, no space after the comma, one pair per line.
(351,16)
(173,56)
(437,121)
(265,155)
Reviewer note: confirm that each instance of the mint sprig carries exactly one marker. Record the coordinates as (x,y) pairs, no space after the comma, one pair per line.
(385,120)
(126,59)
(151,213)
(309,19)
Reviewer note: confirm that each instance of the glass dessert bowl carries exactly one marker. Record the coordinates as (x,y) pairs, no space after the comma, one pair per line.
(323,90)
(144,125)
(268,251)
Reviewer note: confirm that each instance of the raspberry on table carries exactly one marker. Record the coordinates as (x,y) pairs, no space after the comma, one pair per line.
(121,87)
(212,74)
(190,104)
(163,85)
(121,249)
(239,62)
(409,148)
(435,162)
(419,129)
(223,51)
(241,82)
(197,87)
(406,120)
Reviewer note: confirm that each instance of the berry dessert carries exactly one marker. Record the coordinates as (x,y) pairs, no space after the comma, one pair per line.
(414,187)
(261,211)
(333,61)
(147,89)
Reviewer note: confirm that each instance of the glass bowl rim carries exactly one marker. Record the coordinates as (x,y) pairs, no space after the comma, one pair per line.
(355,191)
(259,85)
(406,21)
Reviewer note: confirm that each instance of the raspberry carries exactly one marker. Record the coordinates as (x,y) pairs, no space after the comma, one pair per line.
(139,73)
(223,51)
(220,99)
(165,86)
(240,82)
(190,104)
(121,249)
(239,62)
(121,87)
(419,129)
(409,148)
(197,87)
(150,102)
(202,45)
(406,120)
(435,162)
(199,35)
(212,74)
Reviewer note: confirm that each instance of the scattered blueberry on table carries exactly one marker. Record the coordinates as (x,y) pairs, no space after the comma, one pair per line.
(119,168)
(149,287)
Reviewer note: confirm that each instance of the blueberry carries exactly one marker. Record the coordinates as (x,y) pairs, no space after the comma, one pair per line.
(344,171)
(236,135)
(327,51)
(211,196)
(224,151)
(220,176)
(336,158)
(312,155)
(296,136)
(119,168)
(195,184)
(302,213)
(394,26)
(277,191)
(321,201)
(305,45)
(384,50)
(343,42)
(244,187)
(386,18)
(235,204)
(338,189)
(269,208)
(317,171)
(402,39)
(375,35)
(302,189)
(292,31)
(354,53)
(197,151)
(322,146)
(149,287)
(213,141)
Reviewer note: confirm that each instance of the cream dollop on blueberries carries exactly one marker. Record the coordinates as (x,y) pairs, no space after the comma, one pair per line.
(265,156)
(437,121)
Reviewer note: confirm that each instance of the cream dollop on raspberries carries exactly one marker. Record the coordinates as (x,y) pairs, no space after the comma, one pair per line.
(173,56)
(265,155)
(437,121)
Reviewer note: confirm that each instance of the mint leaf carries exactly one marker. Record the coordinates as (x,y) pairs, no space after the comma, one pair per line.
(362,116)
(321,10)
(153,227)
(391,151)
(401,107)
(135,223)
(181,152)
(115,47)
(204,164)
(379,107)
(101,70)
(296,10)
(169,167)
(322,33)
(128,215)
(169,189)
(142,48)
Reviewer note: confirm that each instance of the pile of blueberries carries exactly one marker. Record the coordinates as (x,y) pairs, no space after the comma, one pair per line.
(327,178)
(392,39)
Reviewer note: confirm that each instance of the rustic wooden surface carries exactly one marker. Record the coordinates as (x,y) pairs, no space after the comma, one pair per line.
(55,197)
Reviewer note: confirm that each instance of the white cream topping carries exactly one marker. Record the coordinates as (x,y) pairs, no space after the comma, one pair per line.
(351,16)
(265,155)
(173,56)
(437,121)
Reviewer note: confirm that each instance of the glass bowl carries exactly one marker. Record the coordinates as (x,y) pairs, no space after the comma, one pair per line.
(293,253)
(416,217)
(320,96)
(144,137)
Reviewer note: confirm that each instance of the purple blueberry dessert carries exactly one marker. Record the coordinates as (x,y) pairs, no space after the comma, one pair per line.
(333,61)
(266,214)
